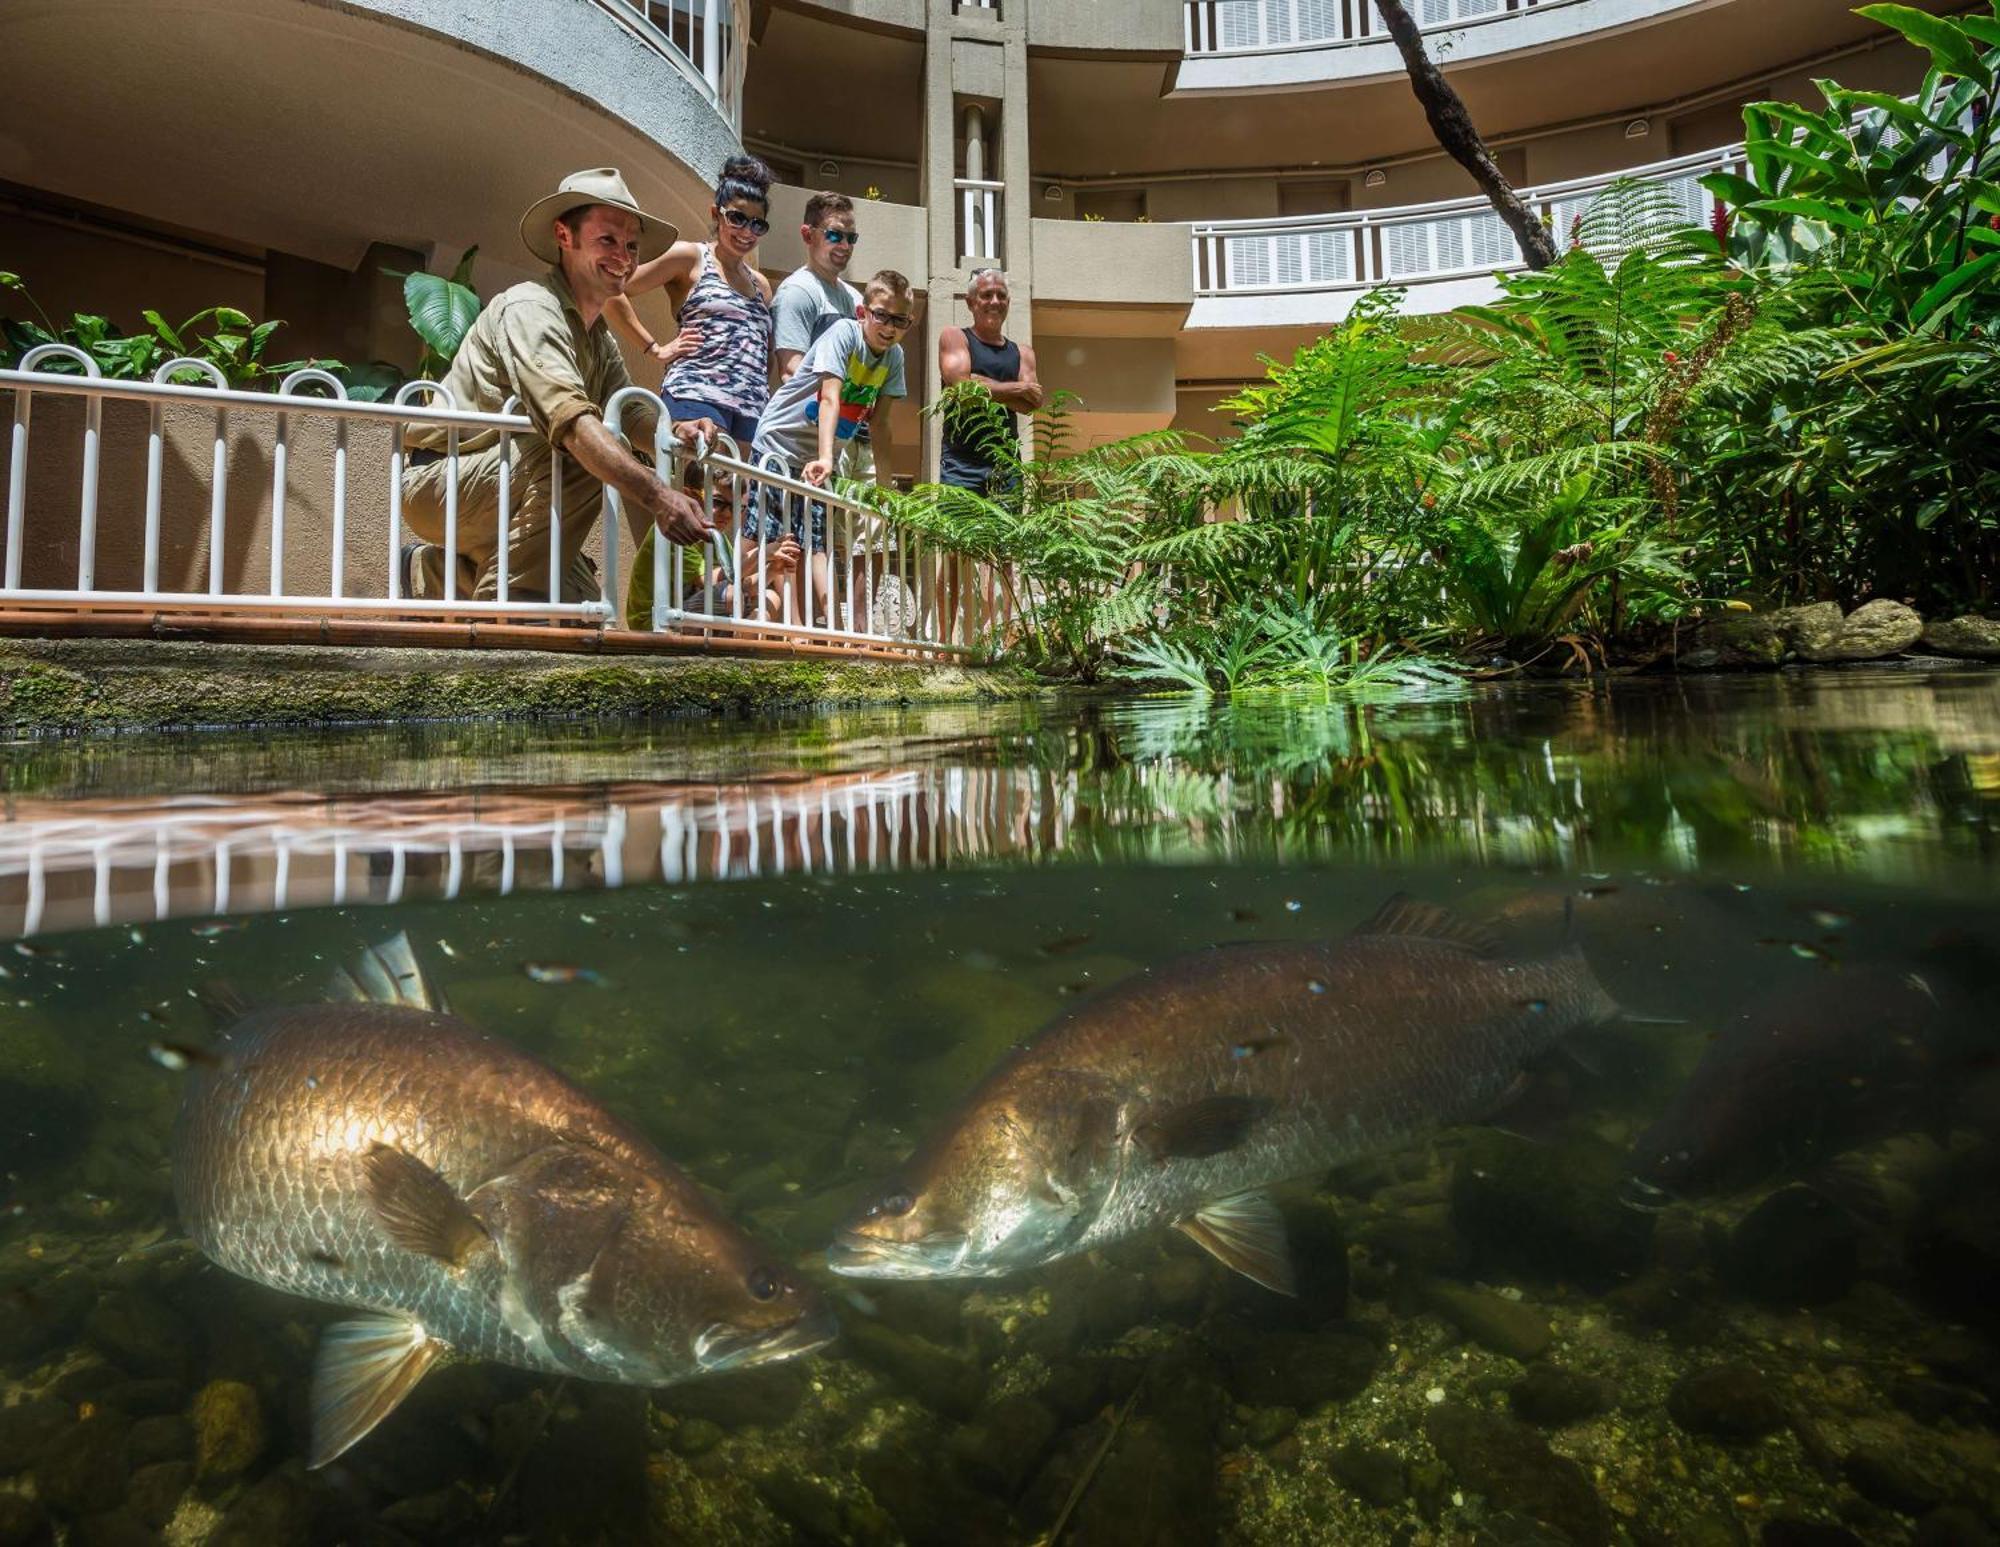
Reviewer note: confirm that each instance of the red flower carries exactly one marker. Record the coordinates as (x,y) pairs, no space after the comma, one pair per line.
(1670,357)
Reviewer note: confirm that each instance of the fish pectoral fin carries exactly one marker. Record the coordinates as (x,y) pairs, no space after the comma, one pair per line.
(418,1210)
(388,973)
(364,1370)
(1210,1126)
(1246,1234)
(1403,914)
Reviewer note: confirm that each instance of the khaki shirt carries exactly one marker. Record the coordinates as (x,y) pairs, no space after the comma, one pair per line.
(530,343)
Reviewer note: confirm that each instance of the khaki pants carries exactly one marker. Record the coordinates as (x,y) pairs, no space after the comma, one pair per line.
(479,526)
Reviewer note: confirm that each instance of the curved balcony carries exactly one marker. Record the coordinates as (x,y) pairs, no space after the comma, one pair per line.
(1249,45)
(1310,269)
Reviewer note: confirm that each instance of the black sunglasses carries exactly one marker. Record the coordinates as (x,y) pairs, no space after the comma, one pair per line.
(836,236)
(744,222)
(891,319)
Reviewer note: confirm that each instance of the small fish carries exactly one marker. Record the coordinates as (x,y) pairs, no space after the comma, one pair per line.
(1829,919)
(561,972)
(32,951)
(1062,945)
(214,927)
(180,1056)
(136,935)
(1150,1106)
(1243,915)
(1603,889)
(448,949)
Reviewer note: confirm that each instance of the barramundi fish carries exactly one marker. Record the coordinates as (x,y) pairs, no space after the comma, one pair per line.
(383,1154)
(1177,1096)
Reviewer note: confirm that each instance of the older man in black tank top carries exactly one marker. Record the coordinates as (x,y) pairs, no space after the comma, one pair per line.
(983,353)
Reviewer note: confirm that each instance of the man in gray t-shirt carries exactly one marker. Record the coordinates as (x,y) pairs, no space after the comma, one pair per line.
(813,297)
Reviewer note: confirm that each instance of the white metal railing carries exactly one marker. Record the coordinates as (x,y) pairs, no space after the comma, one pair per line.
(1455,238)
(880,587)
(979,217)
(97,862)
(1271,26)
(706,38)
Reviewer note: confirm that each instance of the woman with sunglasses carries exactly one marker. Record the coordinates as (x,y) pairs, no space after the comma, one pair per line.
(719,362)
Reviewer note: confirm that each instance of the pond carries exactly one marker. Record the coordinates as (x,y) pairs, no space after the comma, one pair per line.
(1613,1090)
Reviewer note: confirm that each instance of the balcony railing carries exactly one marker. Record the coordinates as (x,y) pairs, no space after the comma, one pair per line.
(704,37)
(979,217)
(1418,243)
(1262,26)
(171,494)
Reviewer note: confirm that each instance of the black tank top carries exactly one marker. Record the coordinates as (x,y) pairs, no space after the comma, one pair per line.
(967,458)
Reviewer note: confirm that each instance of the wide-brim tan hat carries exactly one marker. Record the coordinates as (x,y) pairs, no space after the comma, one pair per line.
(600,185)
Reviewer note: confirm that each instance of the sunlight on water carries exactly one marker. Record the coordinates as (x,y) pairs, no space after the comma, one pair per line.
(1721,1272)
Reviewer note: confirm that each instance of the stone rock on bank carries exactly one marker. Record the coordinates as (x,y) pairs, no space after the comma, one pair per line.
(1820,633)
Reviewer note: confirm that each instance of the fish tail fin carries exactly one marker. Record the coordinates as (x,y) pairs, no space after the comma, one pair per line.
(364,1370)
(224,1003)
(388,973)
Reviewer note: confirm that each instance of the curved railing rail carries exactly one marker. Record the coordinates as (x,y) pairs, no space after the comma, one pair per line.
(706,38)
(1418,243)
(1277,26)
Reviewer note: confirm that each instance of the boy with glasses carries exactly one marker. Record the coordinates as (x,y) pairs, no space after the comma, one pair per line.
(824,406)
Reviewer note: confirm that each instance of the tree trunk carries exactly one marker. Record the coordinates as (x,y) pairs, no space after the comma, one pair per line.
(1455,131)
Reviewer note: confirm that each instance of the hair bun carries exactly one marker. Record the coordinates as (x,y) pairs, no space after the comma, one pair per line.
(748,170)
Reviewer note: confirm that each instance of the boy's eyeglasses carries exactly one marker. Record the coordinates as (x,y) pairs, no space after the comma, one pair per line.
(835,236)
(743,222)
(891,319)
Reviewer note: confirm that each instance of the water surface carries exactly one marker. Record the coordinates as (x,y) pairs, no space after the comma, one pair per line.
(801,943)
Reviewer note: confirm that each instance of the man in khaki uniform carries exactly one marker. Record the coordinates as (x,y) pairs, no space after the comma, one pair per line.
(545,342)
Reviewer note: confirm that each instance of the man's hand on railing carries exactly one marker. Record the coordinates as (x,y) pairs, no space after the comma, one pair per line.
(679,518)
(692,433)
(817,471)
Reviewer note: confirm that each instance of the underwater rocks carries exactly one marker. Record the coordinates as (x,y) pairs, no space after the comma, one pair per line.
(1001,1447)
(1512,1465)
(24,1523)
(229,1429)
(1794,1248)
(1553,1396)
(944,1380)
(1372,1472)
(1506,1326)
(1727,1402)
(1299,1370)
(1548,1211)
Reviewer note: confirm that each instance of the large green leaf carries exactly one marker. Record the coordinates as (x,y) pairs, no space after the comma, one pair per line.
(1946,42)
(441,310)
(1941,293)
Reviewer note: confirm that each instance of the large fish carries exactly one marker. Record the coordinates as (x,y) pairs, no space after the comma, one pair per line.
(1178,1095)
(382,1154)
(1799,1075)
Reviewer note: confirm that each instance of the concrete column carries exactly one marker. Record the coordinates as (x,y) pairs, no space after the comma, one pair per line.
(976,61)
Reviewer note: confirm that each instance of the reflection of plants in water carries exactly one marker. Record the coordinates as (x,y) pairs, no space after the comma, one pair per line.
(1532,780)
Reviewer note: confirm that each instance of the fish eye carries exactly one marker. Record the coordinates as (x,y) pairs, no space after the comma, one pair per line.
(762,1284)
(896,1203)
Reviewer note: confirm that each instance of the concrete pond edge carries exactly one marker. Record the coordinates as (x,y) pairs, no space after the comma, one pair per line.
(66,687)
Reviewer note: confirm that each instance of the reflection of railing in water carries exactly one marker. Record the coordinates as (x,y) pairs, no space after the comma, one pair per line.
(78,864)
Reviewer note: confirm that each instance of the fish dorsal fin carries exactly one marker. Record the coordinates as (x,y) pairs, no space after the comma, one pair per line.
(223,1002)
(1405,915)
(364,1370)
(417,1208)
(1246,1234)
(1210,1126)
(388,973)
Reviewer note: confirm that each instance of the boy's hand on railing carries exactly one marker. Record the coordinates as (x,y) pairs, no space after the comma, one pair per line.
(691,433)
(817,472)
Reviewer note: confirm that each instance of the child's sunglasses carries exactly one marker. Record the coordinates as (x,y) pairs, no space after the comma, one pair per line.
(891,319)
